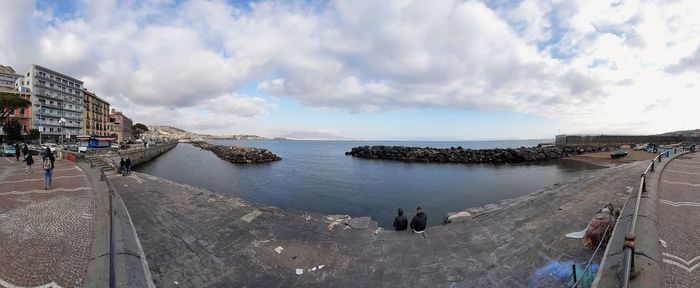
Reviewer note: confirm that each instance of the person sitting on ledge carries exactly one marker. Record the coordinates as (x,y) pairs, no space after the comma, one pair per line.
(419,221)
(400,222)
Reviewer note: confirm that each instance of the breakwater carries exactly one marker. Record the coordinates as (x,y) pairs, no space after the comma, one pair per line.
(460,155)
(237,154)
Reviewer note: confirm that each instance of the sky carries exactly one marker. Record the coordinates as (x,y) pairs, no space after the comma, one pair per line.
(384,70)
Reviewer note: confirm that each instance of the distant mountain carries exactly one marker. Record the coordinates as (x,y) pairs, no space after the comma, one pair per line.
(314,136)
(161,131)
(685,133)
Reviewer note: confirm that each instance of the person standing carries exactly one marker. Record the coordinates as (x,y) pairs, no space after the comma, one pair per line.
(25,149)
(400,222)
(128,165)
(48,165)
(17,151)
(419,221)
(30,161)
(122,164)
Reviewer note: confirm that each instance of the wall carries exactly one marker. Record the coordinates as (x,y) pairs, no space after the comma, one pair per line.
(620,139)
(142,155)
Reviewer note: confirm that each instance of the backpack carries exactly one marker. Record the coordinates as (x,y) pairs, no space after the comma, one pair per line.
(47,163)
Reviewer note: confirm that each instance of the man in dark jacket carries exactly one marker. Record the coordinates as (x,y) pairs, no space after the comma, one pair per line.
(127,165)
(17,151)
(400,222)
(419,221)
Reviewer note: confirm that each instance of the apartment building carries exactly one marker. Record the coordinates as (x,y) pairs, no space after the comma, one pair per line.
(8,76)
(54,96)
(121,126)
(95,115)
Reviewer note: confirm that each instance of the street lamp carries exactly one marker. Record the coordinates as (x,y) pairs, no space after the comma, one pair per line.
(62,121)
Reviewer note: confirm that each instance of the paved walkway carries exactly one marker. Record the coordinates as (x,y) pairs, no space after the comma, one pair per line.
(679,215)
(45,235)
(195,238)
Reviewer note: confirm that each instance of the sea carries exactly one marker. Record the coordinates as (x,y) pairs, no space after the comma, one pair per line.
(317,176)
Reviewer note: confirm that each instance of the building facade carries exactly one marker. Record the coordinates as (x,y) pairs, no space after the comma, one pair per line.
(121,126)
(95,116)
(8,77)
(24,115)
(54,96)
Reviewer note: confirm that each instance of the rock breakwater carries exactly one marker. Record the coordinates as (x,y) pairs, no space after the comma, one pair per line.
(237,154)
(461,155)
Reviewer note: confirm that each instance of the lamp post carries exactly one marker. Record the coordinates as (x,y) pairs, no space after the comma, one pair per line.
(40,124)
(62,121)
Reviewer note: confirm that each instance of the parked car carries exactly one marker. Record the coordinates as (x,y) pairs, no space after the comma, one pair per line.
(124,146)
(8,150)
(51,146)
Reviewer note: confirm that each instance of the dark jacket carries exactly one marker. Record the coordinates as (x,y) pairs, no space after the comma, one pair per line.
(400,223)
(419,221)
(128,162)
(29,160)
(25,149)
(122,163)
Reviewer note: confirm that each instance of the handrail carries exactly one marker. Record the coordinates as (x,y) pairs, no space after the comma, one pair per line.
(628,248)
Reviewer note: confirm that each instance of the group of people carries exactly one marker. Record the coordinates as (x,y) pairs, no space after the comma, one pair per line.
(47,161)
(125,166)
(418,222)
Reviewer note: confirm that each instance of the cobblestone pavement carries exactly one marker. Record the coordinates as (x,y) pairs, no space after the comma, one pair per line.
(45,235)
(679,215)
(195,238)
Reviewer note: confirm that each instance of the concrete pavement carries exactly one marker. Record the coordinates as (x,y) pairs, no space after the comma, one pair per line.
(679,215)
(45,235)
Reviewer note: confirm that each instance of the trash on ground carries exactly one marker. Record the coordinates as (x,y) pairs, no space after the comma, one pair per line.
(279,249)
(337,219)
(602,222)
(577,235)
(663,243)
(320,266)
(300,271)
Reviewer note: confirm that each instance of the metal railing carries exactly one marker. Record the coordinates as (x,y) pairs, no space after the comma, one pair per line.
(583,280)
(628,248)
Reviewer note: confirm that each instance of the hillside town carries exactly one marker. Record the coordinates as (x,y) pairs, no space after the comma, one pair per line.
(61,109)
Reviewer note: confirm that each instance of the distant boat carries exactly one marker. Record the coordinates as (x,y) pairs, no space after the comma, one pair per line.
(618,154)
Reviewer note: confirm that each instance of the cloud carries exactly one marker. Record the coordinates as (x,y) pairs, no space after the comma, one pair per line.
(569,60)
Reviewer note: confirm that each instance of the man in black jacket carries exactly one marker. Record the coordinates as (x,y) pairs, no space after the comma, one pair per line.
(419,221)
(400,222)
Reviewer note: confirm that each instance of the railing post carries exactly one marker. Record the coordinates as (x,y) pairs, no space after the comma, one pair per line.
(573,272)
(652,165)
(659,158)
(644,183)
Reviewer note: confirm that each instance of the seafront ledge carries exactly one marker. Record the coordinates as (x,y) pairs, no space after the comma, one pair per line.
(196,238)
(460,155)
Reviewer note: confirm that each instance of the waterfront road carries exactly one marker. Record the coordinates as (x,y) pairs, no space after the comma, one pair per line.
(45,235)
(196,238)
(679,215)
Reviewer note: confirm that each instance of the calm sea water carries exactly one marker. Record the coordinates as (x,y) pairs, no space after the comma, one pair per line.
(317,176)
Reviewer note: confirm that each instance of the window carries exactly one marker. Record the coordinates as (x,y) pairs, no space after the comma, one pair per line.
(50,129)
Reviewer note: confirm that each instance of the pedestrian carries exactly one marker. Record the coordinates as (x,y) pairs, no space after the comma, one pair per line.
(400,222)
(48,165)
(419,221)
(122,163)
(17,151)
(25,149)
(30,161)
(128,165)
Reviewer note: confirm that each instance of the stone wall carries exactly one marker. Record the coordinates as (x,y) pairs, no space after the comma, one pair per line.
(460,155)
(237,154)
(562,140)
(142,155)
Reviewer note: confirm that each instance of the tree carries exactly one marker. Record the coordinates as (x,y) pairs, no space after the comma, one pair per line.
(33,134)
(8,103)
(13,129)
(139,129)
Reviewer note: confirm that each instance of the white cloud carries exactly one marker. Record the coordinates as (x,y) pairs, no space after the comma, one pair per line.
(565,60)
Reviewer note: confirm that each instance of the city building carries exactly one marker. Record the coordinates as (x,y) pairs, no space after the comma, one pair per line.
(57,103)
(24,115)
(121,126)
(95,115)
(8,77)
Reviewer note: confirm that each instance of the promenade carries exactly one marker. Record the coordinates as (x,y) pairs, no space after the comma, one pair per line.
(195,238)
(679,215)
(45,235)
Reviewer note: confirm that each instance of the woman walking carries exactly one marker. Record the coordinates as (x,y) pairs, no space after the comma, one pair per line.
(48,161)
(30,161)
